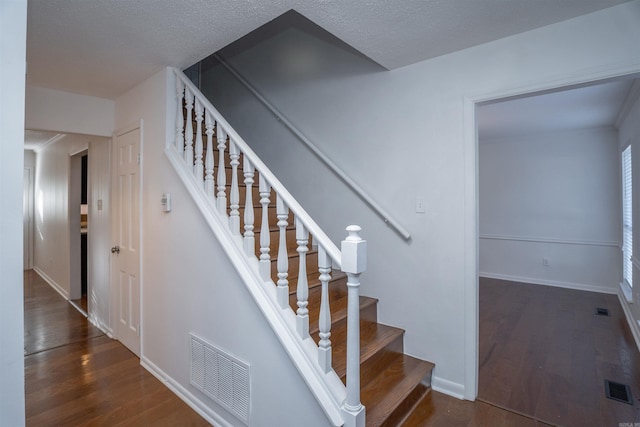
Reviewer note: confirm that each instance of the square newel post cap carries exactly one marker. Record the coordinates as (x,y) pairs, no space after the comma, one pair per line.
(354,251)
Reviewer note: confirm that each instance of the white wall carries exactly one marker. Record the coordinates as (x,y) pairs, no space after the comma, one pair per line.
(406,133)
(29,163)
(29,159)
(49,109)
(52,223)
(99,232)
(629,132)
(189,285)
(551,195)
(13,33)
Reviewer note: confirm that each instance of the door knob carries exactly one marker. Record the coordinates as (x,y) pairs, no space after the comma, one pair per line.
(115,250)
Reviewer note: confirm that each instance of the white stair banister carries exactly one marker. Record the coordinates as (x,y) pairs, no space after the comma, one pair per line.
(198,167)
(188,129)
(265,237)
(179,142)
(209,182)
(199,171)
(302,290)
(249,239)
(234,199)
(222,173)
(324,323)
(354,262)
(282,213)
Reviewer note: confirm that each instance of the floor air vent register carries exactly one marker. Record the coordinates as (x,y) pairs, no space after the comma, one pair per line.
(221,376)
(617,391)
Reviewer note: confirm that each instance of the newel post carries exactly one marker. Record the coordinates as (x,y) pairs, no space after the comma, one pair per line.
(354,262)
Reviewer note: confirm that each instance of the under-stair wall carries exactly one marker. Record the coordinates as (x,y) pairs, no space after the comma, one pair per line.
(179,297)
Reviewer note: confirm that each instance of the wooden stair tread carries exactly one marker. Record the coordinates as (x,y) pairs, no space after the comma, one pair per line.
(391,395)
(373,337)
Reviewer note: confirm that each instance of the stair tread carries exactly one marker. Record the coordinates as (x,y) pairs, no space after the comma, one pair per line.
(373,337)
(421,411)
(402,379)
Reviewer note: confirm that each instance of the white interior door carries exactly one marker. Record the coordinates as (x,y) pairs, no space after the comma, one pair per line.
(125,270)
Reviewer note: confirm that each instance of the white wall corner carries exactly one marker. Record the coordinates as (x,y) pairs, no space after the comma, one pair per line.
(447,387)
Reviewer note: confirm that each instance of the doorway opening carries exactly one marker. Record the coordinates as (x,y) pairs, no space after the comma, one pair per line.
(548,246)
(78,230)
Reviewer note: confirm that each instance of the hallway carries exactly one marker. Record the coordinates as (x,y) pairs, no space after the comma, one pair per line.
(76,375)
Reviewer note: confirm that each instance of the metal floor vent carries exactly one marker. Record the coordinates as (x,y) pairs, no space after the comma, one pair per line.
(602,311)
(617,391)
(221,376)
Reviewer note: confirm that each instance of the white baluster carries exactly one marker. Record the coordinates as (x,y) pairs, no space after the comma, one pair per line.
(265,235)
(234,216)
(188,132)
(222,174)
(324,324)
(209,184)
(249,239)
(302,290)
(179,142)
(354,262)
(198,168)
(282,212)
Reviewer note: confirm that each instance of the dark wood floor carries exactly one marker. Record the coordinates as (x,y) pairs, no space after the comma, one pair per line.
(49,320)
(543,352)
(440,410)
(76,376)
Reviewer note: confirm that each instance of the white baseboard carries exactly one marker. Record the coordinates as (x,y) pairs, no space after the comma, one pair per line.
(556,283)
(52,283)
(633,323)
(196,404)
(107,331)
(447,387)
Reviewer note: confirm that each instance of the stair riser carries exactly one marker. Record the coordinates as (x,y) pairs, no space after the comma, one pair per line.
(368,312)
(403,410)
(312,265)
(380,360)
(273,218)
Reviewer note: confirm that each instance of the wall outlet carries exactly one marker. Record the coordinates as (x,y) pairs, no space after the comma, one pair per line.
(546,262)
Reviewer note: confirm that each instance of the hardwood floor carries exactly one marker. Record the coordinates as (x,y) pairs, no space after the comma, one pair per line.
(545,353)
(440,410)
(49,320)
(75,375)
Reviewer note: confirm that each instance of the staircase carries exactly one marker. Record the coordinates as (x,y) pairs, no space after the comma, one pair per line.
(391,383)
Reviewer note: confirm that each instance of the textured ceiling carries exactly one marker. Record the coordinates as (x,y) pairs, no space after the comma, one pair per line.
(103,48)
